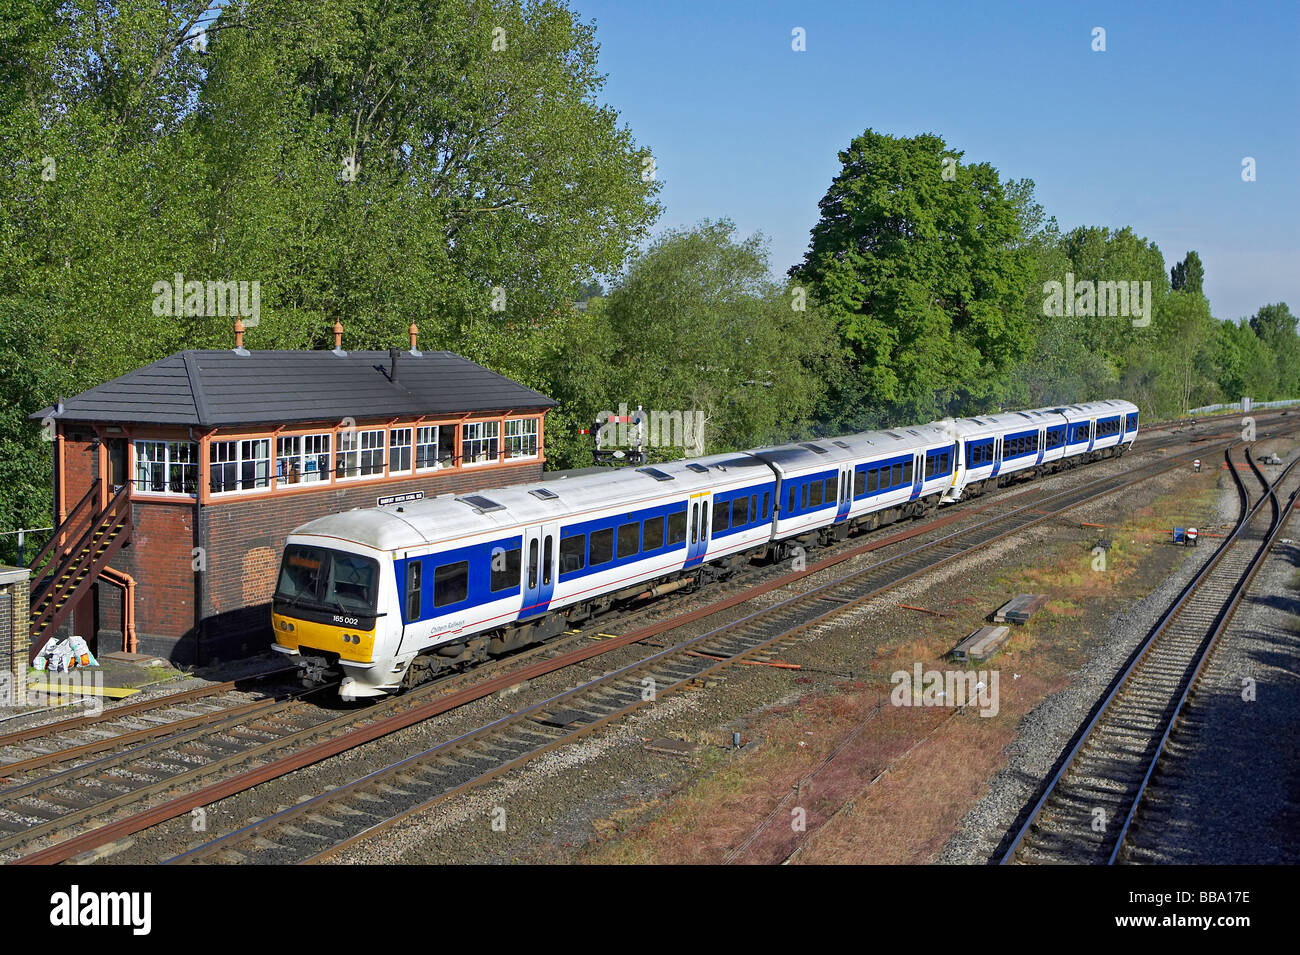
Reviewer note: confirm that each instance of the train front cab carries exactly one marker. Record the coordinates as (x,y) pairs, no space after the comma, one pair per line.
(328,611)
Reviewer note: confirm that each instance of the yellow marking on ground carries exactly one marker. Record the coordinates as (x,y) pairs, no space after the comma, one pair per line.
(112,692)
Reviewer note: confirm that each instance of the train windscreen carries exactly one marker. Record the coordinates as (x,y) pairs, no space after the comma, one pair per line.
(327,580)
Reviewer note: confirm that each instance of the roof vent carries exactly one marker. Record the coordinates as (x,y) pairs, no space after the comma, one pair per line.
(840,444)
(697,468)
(656,474)
(480,503)
(543,493)
(894,434)
(812,447)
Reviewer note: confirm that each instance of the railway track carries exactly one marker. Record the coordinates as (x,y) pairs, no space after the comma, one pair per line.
(38,747)
(317,829)
(62,810)
(1085,810)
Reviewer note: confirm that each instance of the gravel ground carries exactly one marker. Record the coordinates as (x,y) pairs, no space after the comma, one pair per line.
(1229,789)
(550,807)
(1048,730)
(555,805)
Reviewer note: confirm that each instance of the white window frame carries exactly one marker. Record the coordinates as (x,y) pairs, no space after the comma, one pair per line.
(359,446)
(171,457)
(245,455)
(395,445)
(484,435)
(525,429)
(426,436)
(307,449)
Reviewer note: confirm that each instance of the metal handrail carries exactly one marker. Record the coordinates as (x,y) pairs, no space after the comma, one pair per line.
(54,538)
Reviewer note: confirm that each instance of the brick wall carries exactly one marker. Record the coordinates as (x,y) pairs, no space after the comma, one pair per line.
(14,640)
(159,557)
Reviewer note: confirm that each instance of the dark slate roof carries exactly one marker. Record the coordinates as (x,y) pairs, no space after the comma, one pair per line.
(218,388)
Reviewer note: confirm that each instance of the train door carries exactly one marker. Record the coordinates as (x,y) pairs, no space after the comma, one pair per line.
(997,456)
(540,567)
(918,475)
(846,493)
(1092,433)
(1042,444)
(697,520)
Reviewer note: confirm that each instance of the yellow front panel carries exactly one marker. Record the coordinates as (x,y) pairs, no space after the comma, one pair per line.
(323,636)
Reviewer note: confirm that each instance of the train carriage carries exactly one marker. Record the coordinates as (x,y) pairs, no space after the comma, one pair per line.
(390,596)
(432,576)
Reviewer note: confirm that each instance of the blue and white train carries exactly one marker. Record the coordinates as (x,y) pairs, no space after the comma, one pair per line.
(388,597)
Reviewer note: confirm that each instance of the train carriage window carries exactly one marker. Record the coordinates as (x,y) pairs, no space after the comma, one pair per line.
(790,505)
(413,590)
(803,498)
(859,483)
(815,494)
(830,489)
(721,515)
(896,476)
(907,472)
(873,476)
(505,568)
(548,559)
(629,540)
(602,546)
(451,582)
(704,523)
(532,565)
(652,534)
(753,508)
(573,554)
(695,523)
(739,513)
(767,497)
(677,527)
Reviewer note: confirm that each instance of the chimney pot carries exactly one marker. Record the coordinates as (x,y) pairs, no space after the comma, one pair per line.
(338,336)
(415,332)
(239,334)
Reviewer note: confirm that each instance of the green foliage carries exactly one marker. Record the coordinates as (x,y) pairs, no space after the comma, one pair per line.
(1188,275)
(923,272)
(370,161)
(698,325)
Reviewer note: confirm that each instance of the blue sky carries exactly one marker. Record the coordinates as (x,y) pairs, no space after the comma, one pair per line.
(1150,133)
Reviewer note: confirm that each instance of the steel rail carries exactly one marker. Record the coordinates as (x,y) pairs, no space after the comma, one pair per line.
(1246,514)
(486,732)
(1281,517)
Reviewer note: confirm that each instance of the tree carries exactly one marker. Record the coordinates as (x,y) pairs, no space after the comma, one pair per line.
(1188,275)
(700,326)
(1275,326)
(373,161)
(918,259)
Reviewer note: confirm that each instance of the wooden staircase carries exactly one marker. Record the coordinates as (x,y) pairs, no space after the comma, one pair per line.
(62,573)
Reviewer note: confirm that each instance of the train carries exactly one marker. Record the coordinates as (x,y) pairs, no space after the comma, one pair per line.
(384,598)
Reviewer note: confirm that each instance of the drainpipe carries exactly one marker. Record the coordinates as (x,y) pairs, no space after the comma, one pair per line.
(124,580)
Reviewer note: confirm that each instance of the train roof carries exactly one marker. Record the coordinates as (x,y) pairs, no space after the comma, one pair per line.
(414,524)
(822,453)
(1006,421)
